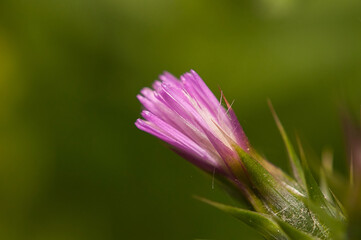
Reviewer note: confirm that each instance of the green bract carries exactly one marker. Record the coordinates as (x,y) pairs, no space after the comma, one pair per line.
(286,207)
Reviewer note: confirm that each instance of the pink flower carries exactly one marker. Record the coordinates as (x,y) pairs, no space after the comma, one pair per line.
(185,114)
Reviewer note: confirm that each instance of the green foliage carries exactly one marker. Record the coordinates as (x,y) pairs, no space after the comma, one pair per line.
(294,159)
(294,215)
(262,223)
(292,232)
(279,201)
(268,226)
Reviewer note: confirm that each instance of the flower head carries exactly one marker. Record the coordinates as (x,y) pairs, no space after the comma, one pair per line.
(185,114)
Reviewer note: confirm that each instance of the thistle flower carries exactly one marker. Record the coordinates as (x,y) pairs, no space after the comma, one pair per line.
(185,114)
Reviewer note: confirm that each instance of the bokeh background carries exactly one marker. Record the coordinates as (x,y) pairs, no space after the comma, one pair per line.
(72,163)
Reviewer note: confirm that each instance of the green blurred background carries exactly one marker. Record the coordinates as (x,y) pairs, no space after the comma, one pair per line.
(72,163)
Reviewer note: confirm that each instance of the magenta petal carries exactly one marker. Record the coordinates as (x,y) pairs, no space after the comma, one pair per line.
(148,93)
(196,156)
(166,77)
(148,104)
(241,137)
(149,128)
(204,88)
(177,101)
(229,156)
(200,98)
(173,133)
(157,85)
